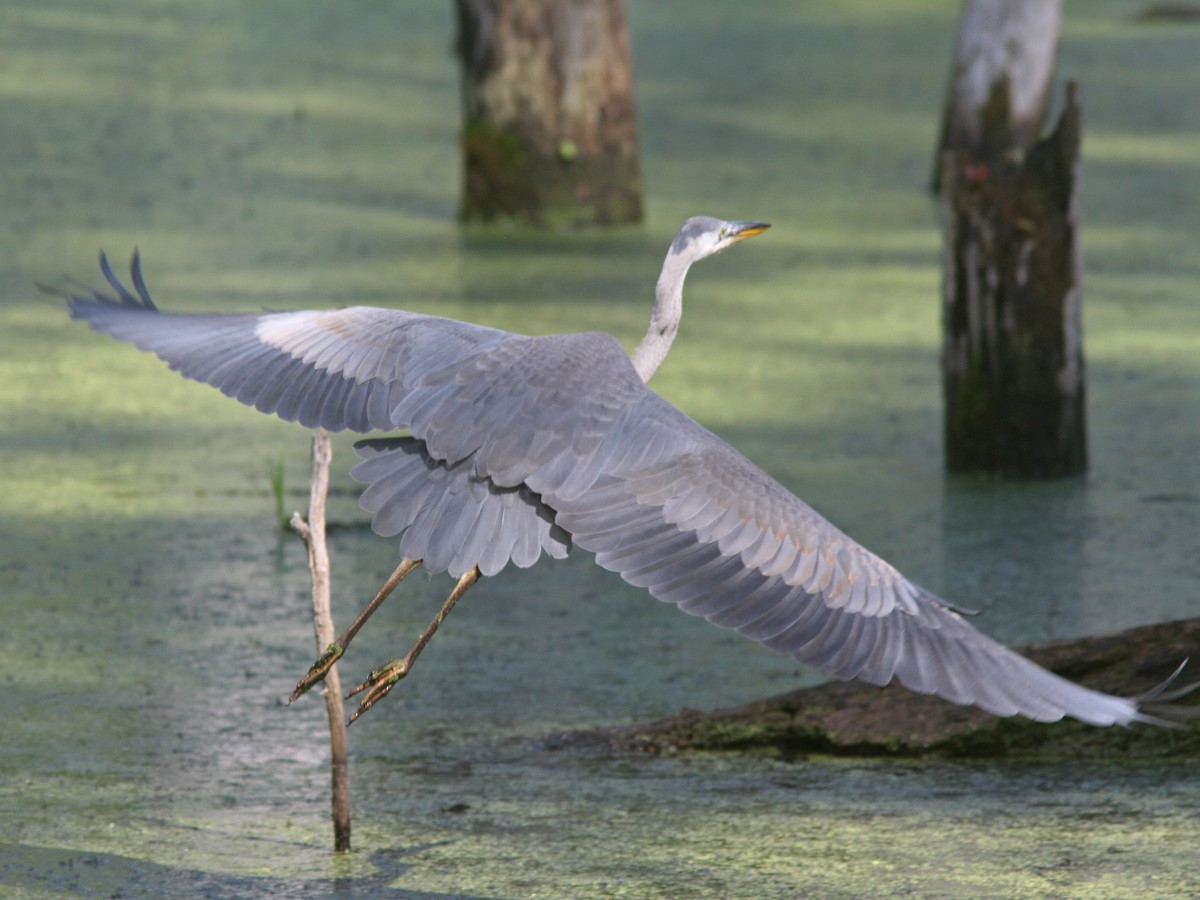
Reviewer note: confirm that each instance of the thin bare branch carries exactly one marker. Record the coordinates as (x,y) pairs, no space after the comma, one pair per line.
(313,533)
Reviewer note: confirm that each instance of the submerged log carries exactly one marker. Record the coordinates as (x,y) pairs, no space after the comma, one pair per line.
(851,719)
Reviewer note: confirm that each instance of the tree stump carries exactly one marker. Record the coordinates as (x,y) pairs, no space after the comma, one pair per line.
(1012,364)
(549,136)
(1012,360)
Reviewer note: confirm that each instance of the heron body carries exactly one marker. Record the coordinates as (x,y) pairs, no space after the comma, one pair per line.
(516,446)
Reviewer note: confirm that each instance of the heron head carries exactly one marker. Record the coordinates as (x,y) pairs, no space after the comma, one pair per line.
(703,236)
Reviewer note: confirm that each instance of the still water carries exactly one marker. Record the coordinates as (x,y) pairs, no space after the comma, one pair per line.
(153,615)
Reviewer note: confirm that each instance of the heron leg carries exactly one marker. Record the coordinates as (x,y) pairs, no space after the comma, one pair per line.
(318,670)
(383,679)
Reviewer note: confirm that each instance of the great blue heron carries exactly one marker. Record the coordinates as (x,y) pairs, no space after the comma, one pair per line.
(522,445)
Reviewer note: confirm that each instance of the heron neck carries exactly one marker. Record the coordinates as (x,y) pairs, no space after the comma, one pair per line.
(664,318)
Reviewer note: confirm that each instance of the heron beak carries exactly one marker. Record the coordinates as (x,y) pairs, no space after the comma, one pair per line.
(742,230)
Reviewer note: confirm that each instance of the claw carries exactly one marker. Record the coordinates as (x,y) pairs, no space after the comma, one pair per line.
(383,679)
(317,671)
(378,684)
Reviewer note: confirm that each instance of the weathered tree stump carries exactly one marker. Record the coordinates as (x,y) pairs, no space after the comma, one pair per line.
(851,719)
(1013,370)
(1012,360)
(549,135)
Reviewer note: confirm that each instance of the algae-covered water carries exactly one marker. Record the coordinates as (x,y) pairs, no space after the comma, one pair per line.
(153,615)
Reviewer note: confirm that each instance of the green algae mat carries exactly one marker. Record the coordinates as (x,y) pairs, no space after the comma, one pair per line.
(153,615)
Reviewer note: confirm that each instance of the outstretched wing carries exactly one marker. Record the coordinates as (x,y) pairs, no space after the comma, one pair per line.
(337,369)
(673,508)
(452,384)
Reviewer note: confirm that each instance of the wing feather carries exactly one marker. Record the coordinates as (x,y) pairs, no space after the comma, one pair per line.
(856,652)
(797,614)
(658,568)
(447,516)
(833,636)
(719,570)
(758,598)
(266,390)
(712,596)
(332,368)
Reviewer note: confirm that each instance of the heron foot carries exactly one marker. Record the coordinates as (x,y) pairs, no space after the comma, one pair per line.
(383,679)
(379,683)
(317,671)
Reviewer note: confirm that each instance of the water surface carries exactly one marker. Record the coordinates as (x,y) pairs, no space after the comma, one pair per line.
(153,615)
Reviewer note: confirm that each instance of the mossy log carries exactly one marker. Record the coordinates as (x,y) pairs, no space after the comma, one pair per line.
(850,719)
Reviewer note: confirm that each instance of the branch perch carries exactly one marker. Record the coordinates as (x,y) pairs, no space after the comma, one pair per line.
(313,533)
